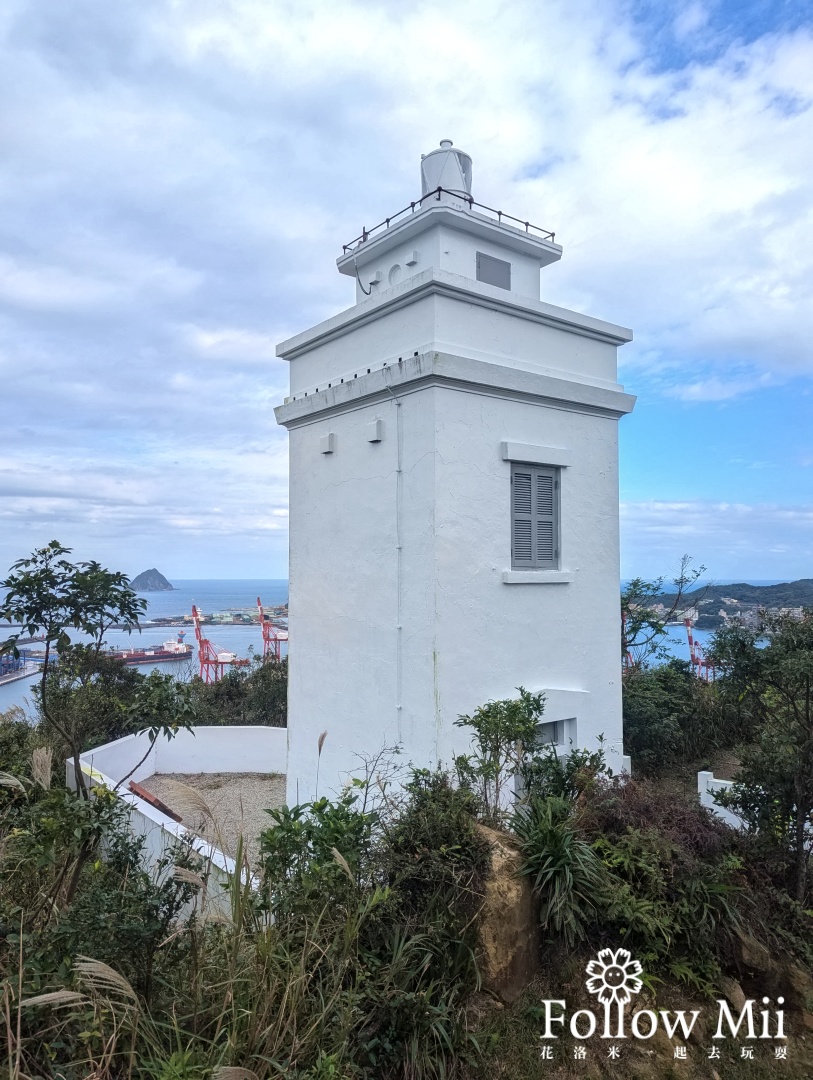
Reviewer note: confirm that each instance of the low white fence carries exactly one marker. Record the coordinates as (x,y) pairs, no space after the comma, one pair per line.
(201,750)
(707,784)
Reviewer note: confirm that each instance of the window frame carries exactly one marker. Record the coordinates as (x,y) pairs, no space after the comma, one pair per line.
(535,516)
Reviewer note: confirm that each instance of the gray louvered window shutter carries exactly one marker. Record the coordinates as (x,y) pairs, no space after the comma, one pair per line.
(534,517)
(522,547)
(545,539)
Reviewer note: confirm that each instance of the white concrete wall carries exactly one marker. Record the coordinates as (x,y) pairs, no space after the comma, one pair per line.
(403,609)
(203,749)
(370,345)
(343,666)
(160,833)
(449,249)
(543,633)
(208,749)
(470,329)
(393,266)
(450,323)
(707,785)
(376,664)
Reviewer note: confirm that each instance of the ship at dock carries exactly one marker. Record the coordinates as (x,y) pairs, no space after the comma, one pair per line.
(176,649)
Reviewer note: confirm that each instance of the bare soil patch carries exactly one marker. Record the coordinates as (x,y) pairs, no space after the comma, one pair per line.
(237,802)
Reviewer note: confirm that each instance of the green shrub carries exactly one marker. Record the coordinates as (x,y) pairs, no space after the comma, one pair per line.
(676,884)
(90,693)
(673,718)
(545,773)
(397,887)
(504,733)
(436,863)
(567,876)
(657,703)
(17,740)
(254,695)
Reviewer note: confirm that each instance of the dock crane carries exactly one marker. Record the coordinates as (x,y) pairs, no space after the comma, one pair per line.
(701,667)
(213,663)
(273,636)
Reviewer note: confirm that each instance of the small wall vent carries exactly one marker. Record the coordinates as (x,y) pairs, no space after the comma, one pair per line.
(493,271)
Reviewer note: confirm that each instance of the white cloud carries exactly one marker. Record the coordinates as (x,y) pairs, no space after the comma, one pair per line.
(717,388)
(231,343)
(51,287)
(730,539)
(692,18)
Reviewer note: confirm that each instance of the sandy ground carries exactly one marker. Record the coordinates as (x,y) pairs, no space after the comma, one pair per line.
(237,802)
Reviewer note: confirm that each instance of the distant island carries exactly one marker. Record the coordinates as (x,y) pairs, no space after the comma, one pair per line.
(151,581)
(715,605)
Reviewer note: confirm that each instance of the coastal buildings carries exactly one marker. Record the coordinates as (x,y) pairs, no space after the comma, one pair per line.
(453,494)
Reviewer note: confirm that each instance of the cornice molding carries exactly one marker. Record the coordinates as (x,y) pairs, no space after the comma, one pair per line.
(435,282)
(460,373)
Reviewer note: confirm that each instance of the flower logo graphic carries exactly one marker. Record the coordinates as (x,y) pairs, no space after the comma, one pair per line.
(614,979)
(614,976)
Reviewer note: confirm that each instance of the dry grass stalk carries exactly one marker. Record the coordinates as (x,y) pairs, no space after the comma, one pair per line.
(191,805)
(41,762)
(219,918)
(321,742)
(234,1072)
(7,780)
(102,978)
(343,863)
(181,873)
(54,998)
(188,801)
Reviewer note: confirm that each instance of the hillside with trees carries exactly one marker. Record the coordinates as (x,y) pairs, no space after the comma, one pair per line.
(372,939)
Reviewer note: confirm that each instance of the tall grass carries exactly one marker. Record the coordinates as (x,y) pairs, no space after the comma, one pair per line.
(351,955)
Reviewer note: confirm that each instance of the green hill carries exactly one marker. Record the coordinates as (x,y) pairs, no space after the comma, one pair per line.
(787,594)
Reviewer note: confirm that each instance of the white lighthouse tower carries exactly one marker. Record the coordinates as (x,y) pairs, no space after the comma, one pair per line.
(453,494)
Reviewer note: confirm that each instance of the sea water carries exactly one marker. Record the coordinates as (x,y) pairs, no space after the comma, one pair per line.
(209,597)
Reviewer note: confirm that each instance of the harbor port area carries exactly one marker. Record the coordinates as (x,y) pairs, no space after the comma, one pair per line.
(237,616)
(22,667)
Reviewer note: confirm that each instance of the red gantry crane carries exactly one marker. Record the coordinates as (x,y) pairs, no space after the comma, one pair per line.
(213,663)
(701,667)
(273,636)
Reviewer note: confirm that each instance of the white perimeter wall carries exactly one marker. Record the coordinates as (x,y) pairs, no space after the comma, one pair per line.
(707,785)
(204,749)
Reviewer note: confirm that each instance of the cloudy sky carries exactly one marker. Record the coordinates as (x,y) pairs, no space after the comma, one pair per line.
(178,176)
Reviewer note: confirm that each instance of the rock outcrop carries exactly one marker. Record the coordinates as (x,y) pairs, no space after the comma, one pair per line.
(151,581)
(509,928)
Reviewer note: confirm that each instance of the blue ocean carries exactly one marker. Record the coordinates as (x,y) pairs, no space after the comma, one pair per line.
(209,597)
(212,596)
